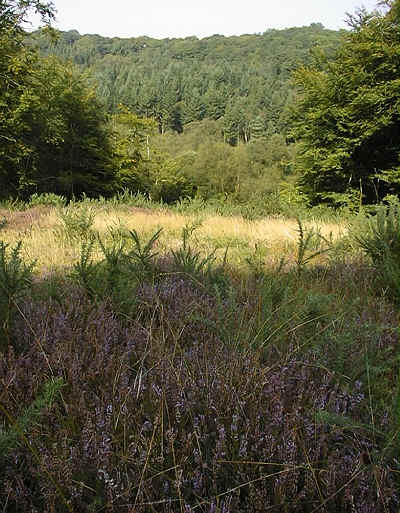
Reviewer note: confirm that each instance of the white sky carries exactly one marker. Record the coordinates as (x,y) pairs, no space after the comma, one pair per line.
(181,18)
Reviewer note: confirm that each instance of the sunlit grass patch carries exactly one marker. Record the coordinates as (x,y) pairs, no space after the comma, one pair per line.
(46,240)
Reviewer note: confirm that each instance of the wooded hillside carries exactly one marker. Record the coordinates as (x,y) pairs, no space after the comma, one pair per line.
(244,79)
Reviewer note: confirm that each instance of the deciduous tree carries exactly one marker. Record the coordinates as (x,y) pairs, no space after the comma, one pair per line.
(348,116)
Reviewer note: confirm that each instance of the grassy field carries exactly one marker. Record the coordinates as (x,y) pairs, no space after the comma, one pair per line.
(52,236)
(217,365)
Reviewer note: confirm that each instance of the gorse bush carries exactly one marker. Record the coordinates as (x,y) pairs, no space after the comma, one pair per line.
(17,433)
(15,277)
(309,245)
(76,222)
(127,261)
(114,256)
(15,274)
(141,258)
(189,261)
(257,260)
(379,237)
(84,271)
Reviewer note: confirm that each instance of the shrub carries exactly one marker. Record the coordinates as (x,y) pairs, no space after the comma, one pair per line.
(77,222)
(379,237)
(161,410)
(48,199)
(15,277)
(141,258)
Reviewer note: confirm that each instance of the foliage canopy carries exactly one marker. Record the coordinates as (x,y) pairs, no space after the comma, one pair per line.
(244,80)
(52,127)
(348,116)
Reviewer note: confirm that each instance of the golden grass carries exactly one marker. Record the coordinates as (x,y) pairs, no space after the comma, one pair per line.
(271,230)
(43,241)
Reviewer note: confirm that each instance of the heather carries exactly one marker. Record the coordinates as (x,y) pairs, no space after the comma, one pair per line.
(157,371)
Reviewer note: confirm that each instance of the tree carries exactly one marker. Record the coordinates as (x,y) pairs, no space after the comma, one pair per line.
(15,61)
(52,127)
(347,119)
(257,129)
(60,139)
(193,108)
(233,122)
(15,65)
(180,81)
(13,13)
(132,150)
(215,100)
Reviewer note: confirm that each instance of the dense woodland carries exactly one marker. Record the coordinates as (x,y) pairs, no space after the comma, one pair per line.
(221,106)
(244,80)
(303,115)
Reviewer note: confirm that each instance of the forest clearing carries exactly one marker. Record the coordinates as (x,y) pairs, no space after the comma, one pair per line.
(199,265)
(51,236)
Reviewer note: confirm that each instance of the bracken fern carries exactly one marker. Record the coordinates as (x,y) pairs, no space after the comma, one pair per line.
(17,432)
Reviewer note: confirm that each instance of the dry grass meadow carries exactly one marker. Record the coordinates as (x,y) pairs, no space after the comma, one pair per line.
(43,233)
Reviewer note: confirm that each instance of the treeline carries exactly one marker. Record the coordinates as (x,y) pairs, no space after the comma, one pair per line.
(206,118)
(244,80)
(55,134)
(305,115)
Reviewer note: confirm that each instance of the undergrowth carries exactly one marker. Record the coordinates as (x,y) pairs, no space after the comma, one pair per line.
(179,383)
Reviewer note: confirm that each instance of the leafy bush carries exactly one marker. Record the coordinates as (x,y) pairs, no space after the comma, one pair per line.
(48,199)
